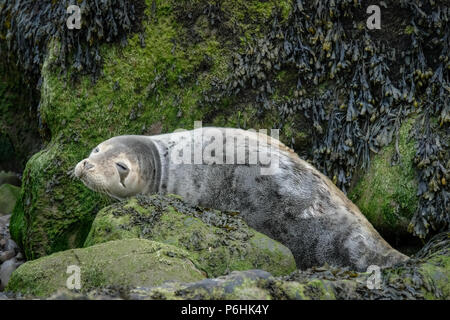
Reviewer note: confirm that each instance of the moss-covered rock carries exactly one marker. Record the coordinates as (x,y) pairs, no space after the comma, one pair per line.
(218,242)
(285,68)
(387,192)
(425,276)
(8,197)
(53,213)
(131,262)
(147,89)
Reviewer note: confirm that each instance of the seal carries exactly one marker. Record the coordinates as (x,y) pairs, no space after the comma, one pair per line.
(275,191)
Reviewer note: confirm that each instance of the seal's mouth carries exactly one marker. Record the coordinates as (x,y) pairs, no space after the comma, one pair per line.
(82,168)
(96,184)
(79,175)
(84,172)
(102,178)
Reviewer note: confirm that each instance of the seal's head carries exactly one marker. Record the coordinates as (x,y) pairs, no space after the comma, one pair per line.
(121,167)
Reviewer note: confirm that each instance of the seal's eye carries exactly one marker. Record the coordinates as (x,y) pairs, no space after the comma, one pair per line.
(121,167)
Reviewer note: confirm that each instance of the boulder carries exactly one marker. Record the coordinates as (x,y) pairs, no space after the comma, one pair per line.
(6,255)
(8,198)
(6,270)
(125,263)
(219,242)
(425,276)
(54,212)
(237,63)
(149,89)
(387,193)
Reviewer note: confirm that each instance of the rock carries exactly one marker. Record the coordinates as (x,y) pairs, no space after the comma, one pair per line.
(6,269)
(130,262)
(11,246)
(425,276)
(239,285)
(387,194)
(219,242)
(4,220)
(55,211)
(8,197)
(9,178)
(19,256)
(6,255)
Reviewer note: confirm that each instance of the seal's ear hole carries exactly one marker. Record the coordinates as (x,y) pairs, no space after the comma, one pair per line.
(121,167)
(123,172)
(96,150)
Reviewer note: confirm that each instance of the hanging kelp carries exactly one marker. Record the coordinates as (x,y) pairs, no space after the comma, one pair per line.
(27,27)
(355,85)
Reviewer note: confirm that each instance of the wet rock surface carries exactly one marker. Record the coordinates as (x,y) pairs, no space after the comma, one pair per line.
(425,276)
(219,242)
(121,263)
(307,63)
(338,93)
(10,255)
(8,198)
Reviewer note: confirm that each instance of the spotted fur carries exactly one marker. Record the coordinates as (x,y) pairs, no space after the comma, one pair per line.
(296,204)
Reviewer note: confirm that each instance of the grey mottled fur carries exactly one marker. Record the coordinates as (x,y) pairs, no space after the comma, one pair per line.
(297,205)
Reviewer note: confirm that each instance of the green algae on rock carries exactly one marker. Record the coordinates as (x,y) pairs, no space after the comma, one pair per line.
(218,242)
(386,193)
(142,90)
(126,263)
(239,285)
(285,67)
(54,212)
(425,276)
(8,197)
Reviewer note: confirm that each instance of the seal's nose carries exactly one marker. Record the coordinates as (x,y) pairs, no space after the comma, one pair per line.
(87,165)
